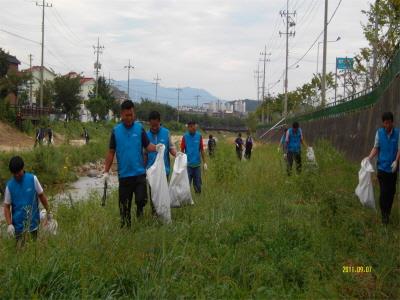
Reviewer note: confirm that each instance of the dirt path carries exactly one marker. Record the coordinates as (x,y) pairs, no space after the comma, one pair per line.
(11,139)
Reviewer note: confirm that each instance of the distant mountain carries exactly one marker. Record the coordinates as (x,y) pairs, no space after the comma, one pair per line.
(145,89)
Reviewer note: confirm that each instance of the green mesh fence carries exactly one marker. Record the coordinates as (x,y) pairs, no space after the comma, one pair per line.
(358,102)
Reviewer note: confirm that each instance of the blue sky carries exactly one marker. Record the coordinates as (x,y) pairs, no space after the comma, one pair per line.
(210,44)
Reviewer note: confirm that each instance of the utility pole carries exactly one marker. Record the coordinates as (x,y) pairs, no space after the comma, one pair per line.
(290,22)
(179,92)
(157,79)
(375,50)
(257,73)
(97,50)
(30,82)
(197,100)
(44,5)
(323,81)
(264,54)
(129,67)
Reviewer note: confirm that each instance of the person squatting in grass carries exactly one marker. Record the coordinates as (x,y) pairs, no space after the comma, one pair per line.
(239,146)
(127,141)
(386,147)
(248,146)
(192,145)
(158,134)
(21,207)
(294,140)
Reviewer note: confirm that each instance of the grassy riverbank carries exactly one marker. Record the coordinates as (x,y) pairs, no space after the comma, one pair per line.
(253,233)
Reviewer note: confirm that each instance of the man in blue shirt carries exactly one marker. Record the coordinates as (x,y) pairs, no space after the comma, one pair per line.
(386,147)
(294,140)
(21,207)
(128,139)
(158,134)
(192,145)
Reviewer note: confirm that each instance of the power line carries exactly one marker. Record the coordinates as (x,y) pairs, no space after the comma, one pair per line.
(129,67)
(20,36)
(290,22)
(44,5)
(316,40)
(179,92)
(197,100)
(97,50)
(264,54)
(157,80)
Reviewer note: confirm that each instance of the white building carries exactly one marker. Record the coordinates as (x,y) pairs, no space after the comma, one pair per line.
(87,86)
(48,75)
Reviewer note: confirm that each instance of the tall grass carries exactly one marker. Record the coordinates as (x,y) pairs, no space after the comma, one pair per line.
(253,233)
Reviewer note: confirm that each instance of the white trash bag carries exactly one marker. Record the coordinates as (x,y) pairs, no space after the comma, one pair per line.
(157,179)
(365,190)
(179,187)
(311,155)
(48,226)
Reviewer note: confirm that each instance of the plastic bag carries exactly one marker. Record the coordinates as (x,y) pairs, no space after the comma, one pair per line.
(179,187)
(311,155)
(365,190)
(48,226)
(157,179)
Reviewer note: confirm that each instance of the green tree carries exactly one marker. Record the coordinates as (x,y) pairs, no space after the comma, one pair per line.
(48,93)
(66,95)
(3,63)
(12,82)
(98,108)
(104,102)
(382,31)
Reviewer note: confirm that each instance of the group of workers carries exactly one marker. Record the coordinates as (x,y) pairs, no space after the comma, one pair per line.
(41,134)
(386,149)
(136,150)
(241,145)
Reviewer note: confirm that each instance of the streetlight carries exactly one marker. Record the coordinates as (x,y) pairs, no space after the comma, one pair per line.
(319,43)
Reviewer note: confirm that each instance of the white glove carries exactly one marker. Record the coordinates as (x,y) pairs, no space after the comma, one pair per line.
(205,167)
(49,216)
(11,230)
(158,147)
(394,166)
(106,177)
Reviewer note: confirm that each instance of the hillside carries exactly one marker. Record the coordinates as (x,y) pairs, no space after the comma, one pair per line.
(11,138)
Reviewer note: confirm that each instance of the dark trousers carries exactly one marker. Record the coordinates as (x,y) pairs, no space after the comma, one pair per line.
(195,177)
(247,153)
(387,184)
(293,156)
(25,236)
(239,153)
(127,187)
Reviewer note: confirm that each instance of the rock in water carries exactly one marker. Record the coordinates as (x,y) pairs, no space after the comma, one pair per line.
(93,173)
